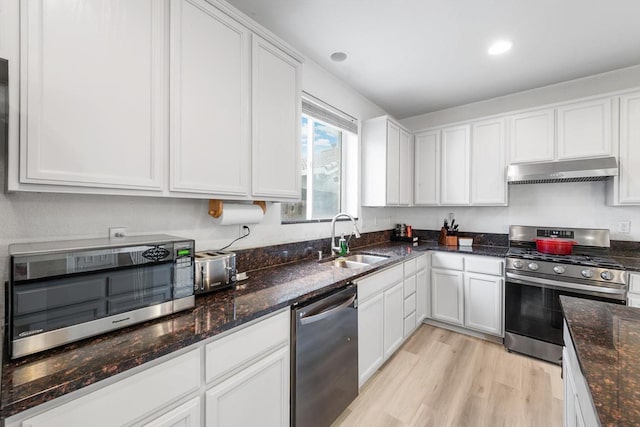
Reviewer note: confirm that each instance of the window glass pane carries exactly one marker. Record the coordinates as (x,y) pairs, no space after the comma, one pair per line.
(327,170)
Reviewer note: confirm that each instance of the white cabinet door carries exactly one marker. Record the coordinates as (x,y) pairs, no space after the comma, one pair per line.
(483,303)
(210,58)
(629,179)
(393,319)
(584,129)
(168,381)
(447,297)
(454,181)
(532,136)
(427,168)
(256,396)
(185,415)
(423,296)
(393,164)
(370,337)
(93,91)
(276,115)
(406,168)
(488,164)
(569,395)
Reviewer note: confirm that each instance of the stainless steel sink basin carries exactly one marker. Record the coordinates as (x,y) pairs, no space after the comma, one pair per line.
(358,260)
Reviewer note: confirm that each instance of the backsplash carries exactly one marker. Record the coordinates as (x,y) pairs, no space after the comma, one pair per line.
(269,256)
(482,239)
(625,248)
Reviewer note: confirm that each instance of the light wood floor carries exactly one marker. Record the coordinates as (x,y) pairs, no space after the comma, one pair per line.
(442,378)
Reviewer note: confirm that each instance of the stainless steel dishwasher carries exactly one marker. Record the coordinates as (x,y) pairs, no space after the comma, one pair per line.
(324,364)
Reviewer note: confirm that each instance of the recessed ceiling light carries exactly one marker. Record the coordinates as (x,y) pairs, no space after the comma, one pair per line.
(338,56)
(500,47)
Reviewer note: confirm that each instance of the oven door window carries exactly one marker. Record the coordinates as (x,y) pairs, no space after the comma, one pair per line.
(535,312)
(44,305)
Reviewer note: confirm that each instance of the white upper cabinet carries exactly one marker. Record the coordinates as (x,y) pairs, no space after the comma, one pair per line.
(405,165)
(387,165)
(488,165)
(175,98)
(532,136)
(584,129)
(427,168)
(393,164)
(93,87)
(628,182)
(209,100)
(276,107)
(454,180)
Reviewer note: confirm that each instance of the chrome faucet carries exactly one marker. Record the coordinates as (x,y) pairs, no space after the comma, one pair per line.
(336,249)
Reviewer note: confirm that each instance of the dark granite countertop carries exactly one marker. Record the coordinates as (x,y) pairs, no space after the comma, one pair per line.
(629,263)
(36,379)
(607,341)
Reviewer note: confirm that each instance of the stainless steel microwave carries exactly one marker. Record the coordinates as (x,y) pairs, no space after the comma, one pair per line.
(60,292)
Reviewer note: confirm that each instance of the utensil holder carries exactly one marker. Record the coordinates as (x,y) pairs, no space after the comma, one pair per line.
(442,240)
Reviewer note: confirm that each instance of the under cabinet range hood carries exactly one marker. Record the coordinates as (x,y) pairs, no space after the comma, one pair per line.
(563,171)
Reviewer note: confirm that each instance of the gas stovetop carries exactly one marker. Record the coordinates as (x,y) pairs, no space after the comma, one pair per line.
(599,260)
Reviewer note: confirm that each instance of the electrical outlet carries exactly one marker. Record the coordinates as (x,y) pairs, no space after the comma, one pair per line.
(624,227)
(115,232)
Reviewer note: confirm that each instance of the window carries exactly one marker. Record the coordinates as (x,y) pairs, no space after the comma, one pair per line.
(328,164)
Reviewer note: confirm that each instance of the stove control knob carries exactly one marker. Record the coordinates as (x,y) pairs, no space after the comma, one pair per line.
(558,269)
(518,264)
(606,275)
(586,273)
(533,266)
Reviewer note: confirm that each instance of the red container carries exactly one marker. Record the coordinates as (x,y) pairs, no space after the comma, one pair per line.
(554,246)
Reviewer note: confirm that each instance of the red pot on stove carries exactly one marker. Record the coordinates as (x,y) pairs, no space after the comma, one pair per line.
(554,245)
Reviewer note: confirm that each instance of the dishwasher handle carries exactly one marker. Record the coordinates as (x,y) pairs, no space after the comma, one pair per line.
(307,319)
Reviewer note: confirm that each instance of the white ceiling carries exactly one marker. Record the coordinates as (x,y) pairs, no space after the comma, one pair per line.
(416,56)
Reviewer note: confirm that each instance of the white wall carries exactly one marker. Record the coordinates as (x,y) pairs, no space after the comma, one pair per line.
(45,216)
(579,204)
(564,204)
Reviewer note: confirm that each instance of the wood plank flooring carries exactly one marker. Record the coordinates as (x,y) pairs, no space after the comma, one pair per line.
(442,378)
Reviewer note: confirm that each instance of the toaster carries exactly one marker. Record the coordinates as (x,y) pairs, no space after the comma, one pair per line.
(215,270)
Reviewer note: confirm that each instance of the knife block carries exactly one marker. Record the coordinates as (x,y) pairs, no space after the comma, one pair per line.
(451,241)
(442,240)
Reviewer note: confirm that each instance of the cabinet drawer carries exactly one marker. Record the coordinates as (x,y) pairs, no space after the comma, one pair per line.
(239,348)
(409,324)
(377,282)
(484,265)
(129,399)
(421,262)
(447,261)
(410,267)
(410,286)
(410,305)
(634,283)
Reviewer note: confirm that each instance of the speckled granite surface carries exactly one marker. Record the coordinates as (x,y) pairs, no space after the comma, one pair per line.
(36,379)
(607,341)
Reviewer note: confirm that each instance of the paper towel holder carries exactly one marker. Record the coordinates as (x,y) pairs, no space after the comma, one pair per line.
(216,206)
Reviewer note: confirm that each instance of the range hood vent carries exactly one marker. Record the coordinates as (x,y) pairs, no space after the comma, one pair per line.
(563,171)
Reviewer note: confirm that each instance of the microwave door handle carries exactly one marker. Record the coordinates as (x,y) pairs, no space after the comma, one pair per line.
(202,277)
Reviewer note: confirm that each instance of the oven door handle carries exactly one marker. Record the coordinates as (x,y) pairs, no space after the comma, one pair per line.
(554,284)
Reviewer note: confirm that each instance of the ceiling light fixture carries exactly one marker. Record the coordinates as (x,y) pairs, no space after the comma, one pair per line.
(500,47)
(338,56)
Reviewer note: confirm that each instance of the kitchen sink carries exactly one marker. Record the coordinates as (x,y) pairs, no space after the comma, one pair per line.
(358,260)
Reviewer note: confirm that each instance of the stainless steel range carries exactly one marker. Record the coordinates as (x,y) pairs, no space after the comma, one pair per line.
(535,281)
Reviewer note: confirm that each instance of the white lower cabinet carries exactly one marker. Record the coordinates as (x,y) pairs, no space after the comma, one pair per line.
(483,303)
(256,396)
(447,296)
(381,319)
(370,337)
(250,389)
(467,291)
(185,415)
(579,410)
(393,319)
